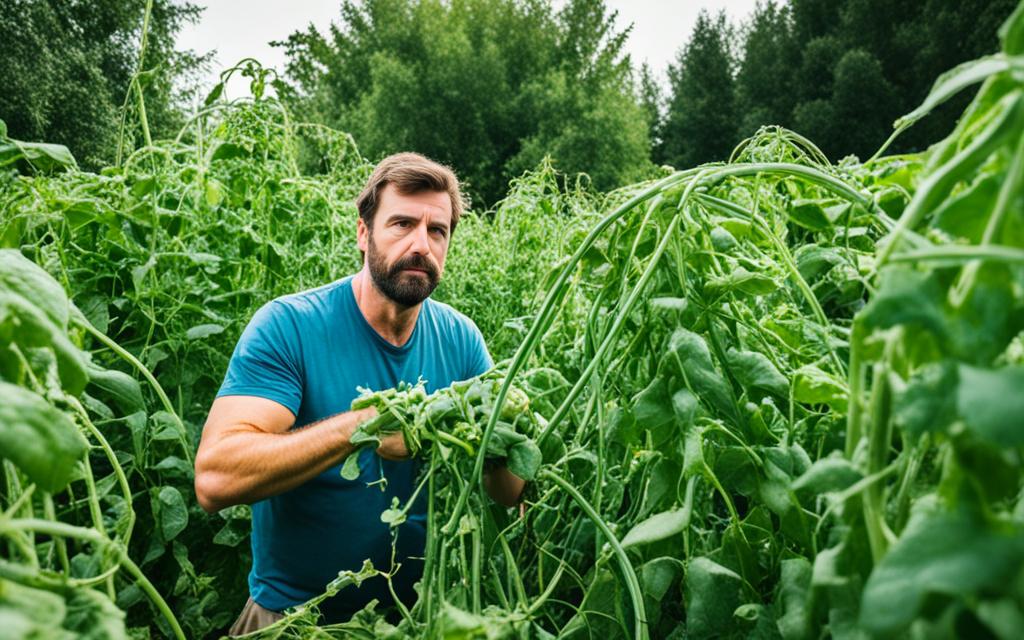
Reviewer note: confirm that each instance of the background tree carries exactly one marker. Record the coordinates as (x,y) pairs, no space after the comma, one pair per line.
(765,83)
(700,123)
(488,86)
(66,68)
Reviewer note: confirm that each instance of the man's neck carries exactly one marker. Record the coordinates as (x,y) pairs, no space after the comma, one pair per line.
(391,320)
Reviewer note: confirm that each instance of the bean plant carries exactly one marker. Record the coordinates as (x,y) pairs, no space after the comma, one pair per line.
(770,397)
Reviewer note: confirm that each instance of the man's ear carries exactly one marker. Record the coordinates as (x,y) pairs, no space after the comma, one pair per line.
(362,235)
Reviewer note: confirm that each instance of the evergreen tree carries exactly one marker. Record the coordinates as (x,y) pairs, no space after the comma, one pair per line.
(765,81)
(700,124)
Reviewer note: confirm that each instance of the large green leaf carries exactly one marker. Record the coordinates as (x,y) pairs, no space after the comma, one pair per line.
(30,613)
(991,403)
(956,553)
(123,388)
(794,588)
(170,511)
(92,616)
(524,459)
(38,438)
(653,407)
(42,156)
(906,297)
(31,282)
(755,371)
(712,595)
(928,402)
(814,386)
(27,326)
(689,356)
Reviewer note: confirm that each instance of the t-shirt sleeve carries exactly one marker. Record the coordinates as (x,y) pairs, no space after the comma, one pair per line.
(265,362)
(477,357)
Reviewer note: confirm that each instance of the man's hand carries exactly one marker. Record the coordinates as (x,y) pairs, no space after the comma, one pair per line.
(504,487)
(392,447)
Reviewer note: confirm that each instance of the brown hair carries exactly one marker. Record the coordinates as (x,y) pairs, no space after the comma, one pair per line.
(411,173)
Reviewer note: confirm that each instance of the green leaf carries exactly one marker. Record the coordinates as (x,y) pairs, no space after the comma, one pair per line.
(743,281)
(31,282)
(906,296)
(814,261)
(814,386)
(991,403)
(658,527)
(232,533)
(956,553)
(952,82)
(524,459)
(755,371)
(673,304)
(712,595)
(30,613)
(123,388)
(40,155)
(958,215)
(41,440)
(91,615)
(722,240)
(928,402)
(1011,33)
(203,331)
(27,326)
(215,93)
(350,470)
(689,357)
(828,475)
(653,409)
(809,214)
(685,406)
(171,512)
(794,591)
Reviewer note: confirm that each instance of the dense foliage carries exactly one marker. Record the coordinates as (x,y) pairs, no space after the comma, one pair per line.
(66,68)
(770,397)
(837,72)
(488,86)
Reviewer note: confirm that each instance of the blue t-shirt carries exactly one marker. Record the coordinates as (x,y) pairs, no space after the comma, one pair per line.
(309,351)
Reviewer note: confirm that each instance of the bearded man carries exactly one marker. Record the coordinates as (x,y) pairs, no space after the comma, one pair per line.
(280,427)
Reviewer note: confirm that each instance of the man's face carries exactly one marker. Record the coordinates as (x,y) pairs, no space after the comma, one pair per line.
(406,248)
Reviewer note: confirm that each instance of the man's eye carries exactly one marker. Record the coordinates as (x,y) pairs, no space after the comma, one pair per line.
(405,224)
(439,231)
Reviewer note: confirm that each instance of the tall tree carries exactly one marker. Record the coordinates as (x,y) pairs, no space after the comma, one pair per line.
(700,124)
(765,81)
(66,68)
(488,86)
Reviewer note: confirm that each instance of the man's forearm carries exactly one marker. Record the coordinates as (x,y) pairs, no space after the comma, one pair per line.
(246,464)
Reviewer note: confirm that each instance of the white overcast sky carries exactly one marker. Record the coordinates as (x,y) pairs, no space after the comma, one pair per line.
(238,29)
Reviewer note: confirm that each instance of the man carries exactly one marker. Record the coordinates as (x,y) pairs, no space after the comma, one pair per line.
(279,429)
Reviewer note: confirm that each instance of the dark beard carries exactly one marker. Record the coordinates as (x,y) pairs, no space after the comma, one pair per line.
(402,288)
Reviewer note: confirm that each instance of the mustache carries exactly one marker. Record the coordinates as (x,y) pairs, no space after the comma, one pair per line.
(415,262)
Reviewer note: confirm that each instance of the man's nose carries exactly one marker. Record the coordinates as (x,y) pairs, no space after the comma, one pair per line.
(420,240)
